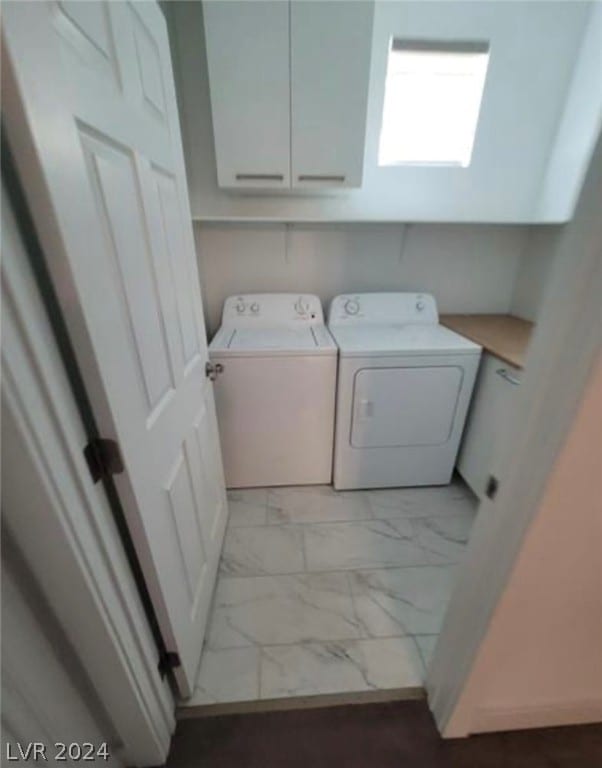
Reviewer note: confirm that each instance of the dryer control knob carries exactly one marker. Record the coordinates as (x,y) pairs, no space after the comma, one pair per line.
(352,307)
(254,307)
(420,305)
(240,307)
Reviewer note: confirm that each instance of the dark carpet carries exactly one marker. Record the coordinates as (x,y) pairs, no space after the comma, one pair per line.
(392,735)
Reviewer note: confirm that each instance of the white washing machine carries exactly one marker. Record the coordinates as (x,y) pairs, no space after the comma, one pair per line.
(404,386)
(275,394)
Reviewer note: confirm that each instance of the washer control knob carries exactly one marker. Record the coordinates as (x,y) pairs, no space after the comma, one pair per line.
(301,306)
(254,307)
(352,306)
(420,305)
(240,306)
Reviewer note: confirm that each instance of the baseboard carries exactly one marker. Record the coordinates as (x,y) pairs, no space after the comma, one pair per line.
(300,702)
(537,716)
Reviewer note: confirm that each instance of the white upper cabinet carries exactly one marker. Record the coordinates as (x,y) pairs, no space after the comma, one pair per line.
(331,44)
(249,72)
(289,91)
(343,106)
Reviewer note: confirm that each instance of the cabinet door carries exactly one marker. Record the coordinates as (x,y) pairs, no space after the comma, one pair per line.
(331,45)
(249,80)
(492,401)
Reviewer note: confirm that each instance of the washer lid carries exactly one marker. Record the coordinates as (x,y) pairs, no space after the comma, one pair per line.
(390,340)
(268,342)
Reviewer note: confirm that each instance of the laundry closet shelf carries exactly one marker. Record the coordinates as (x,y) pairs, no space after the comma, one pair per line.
(505,336)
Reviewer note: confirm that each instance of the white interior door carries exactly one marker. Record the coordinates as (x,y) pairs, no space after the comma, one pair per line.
(91,115)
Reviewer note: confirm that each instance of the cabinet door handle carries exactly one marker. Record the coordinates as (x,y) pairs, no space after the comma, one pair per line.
(503,372)
(259,177)
(321,177)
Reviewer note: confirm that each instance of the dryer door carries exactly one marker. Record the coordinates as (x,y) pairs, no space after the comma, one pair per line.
(409,406)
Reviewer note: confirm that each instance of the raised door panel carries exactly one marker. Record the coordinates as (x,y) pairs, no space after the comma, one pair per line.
(86,31)
(249,78)
(331,45)
(184,281)
(115,184)
(185,513)
(148,58)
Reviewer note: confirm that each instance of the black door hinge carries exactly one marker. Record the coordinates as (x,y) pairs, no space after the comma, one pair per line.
(168,661)
(491,487)
(104,458)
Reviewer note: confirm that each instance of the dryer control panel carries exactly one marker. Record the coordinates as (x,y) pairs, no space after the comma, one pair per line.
(383,309)
(266,310)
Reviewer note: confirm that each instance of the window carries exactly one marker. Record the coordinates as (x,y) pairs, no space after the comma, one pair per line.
(433,95)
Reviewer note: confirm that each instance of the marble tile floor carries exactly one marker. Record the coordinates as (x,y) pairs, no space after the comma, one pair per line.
(326,592)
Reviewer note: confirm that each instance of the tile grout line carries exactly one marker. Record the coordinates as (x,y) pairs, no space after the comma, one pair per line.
(360,623)
(260,659)
(304,552)
(428,554)
(259,670)
(371,638)
(322,572)
(373,519)
(362,569)
(422,659)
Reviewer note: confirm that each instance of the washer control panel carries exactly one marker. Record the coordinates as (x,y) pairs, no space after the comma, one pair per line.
(272,309)
(383,309)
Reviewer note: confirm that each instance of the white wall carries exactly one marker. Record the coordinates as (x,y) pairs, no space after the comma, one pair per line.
(520,647)
(534,270)
(469,268)
(541,662)
(45,693)
(580,124)
(534,47)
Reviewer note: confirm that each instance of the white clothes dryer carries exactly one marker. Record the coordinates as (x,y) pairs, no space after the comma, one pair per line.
(404,386)
(275,394)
